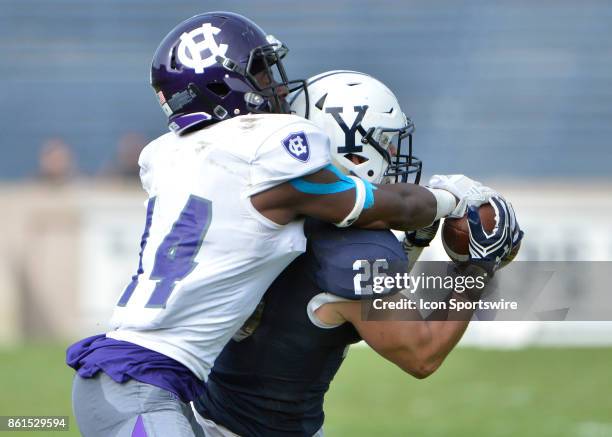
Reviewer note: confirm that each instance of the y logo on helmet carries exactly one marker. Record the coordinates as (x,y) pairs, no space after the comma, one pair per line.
(296,145)
(349,133)
(190,52)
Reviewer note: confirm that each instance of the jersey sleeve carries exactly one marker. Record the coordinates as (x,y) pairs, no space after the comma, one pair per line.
(296,149)
(146,163)
(146,170)
(344,262)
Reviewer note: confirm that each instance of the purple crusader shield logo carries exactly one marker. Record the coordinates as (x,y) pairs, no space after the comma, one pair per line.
(297,146)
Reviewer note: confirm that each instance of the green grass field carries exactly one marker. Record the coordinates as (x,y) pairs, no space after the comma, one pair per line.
(533,392)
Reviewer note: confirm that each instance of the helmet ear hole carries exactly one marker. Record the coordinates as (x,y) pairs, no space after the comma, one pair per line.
(370,173)
(355,158)
(219,88)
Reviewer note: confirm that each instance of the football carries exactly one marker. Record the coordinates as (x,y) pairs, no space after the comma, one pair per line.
(455,235)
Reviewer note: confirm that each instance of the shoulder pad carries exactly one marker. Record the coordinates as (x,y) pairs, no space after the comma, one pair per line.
(293,149)
(342,259)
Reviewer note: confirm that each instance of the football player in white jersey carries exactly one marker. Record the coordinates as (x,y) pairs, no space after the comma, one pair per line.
(228,187)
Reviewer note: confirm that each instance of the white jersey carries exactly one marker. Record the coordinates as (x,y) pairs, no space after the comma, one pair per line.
(207,255)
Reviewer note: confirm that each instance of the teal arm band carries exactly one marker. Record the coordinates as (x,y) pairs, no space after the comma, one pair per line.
(344,184)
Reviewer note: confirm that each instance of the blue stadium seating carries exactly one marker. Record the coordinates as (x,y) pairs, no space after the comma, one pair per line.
(526,84)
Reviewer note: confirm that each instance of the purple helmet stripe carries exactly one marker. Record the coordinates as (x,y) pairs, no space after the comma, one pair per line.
(179,124)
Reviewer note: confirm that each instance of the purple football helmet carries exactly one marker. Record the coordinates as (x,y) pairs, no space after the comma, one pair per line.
(219,65)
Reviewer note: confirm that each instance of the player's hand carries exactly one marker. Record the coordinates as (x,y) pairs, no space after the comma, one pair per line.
(421,237)
(517,234)
(468,191)
(487,250)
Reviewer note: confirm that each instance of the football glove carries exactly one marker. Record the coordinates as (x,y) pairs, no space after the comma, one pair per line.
(487,250)
(421,237)
(415,241)
(468,191)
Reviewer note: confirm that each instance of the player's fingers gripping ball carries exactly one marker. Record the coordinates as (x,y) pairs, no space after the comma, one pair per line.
(487,235)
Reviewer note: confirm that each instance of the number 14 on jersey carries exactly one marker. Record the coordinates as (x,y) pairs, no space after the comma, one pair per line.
(174,258)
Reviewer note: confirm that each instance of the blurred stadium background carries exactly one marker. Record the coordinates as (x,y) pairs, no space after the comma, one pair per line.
(517,94)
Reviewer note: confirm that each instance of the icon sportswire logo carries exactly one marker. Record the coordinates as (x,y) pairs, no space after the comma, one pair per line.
(193,54)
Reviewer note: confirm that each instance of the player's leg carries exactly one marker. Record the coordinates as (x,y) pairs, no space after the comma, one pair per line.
(104,408)
(212,429)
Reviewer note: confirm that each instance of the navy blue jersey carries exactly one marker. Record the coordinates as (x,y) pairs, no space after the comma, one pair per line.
(272,381)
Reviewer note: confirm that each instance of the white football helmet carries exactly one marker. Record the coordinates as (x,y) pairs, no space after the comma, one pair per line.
(365,123)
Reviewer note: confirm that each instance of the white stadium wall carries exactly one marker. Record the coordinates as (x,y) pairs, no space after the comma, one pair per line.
(72,251)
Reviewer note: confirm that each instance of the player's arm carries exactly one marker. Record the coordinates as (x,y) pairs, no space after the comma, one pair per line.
(418,347)
(291,176)
(397,206)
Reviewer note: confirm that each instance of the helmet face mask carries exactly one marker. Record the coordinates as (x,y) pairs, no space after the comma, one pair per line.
(370,135)
(391,144)
(267,75)
(216,66)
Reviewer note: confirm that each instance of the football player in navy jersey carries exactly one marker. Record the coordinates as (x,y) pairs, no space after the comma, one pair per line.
(271,378)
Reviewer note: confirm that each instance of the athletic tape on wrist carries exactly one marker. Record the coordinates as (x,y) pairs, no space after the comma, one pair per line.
(445,202)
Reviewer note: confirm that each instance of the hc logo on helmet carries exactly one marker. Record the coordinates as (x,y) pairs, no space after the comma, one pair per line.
(190,52)
(296,145)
